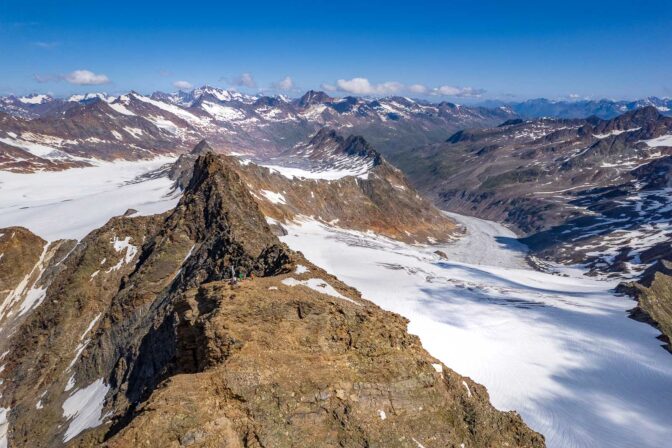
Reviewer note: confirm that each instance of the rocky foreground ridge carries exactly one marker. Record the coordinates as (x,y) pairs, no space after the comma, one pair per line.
(136,337)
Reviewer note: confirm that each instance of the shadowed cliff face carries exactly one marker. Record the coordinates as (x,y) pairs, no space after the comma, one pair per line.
(142,341)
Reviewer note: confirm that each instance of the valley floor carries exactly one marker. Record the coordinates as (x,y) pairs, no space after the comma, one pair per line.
(560,350)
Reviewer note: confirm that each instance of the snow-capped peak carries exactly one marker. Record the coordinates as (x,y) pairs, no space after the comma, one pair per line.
(90,96)
(35,99)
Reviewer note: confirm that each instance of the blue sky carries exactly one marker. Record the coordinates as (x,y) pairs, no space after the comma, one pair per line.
(468,50)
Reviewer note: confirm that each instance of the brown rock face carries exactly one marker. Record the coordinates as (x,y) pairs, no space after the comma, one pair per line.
(28,265)
(284,366)
(141,340)
(654,298)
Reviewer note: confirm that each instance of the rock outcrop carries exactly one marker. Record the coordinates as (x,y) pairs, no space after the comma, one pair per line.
(141,339)
(653,292)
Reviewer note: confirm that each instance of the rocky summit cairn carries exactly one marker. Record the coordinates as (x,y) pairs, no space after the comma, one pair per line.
(142,340)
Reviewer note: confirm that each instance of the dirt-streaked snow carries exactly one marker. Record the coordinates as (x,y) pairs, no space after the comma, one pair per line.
(316,284)
(71,203)
(560,350)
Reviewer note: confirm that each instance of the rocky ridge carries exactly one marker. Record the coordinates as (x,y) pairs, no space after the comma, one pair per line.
(337,181)
(142,340)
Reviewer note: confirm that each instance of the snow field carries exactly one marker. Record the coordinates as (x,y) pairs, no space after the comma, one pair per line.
(559,350)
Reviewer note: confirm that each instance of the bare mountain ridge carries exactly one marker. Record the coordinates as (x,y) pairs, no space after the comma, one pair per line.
(140,339)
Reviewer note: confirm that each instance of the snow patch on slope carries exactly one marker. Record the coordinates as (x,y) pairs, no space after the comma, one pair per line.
(4,427)
(276,198)
(319,285)
(331,174)
(85,408)
(222,113)
(663,140)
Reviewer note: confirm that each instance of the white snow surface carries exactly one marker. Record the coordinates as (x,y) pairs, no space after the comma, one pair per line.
(319,285)
(121,109)
(71,203)
(85,408)
(223,113)
(663,140)
(616,132)
(559,350)
(175,110)
(34,99)
(330,174)
(272,196)
(301,269)
(4,426)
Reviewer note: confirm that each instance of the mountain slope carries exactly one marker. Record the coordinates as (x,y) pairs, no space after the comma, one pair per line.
(80,136)
(340,181)
(564,183)
(653,292)
(141,339)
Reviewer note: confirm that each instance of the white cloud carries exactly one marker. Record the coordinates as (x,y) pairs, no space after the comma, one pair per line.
(464,92)
(244,80)
(86,77)
(417,88)
(183,85)
(285,84)
(362,86)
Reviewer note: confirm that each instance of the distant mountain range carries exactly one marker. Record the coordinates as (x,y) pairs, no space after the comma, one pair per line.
(42,132)
(604,108)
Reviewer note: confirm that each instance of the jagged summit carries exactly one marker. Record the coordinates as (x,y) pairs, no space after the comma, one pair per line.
(379,196)
(313,97)
(181,171)
(219,210)
(201,148)
(328,151)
